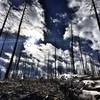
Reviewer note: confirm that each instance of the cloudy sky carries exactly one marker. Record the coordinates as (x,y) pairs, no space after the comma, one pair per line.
(46,25)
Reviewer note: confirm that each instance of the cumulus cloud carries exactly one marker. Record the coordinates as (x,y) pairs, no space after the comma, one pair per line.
(85,23)
(32,25)
(32,22)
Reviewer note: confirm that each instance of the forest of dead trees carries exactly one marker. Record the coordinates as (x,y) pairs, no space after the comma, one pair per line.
(50,71)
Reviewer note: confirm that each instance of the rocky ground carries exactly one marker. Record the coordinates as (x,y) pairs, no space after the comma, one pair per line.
(75,88)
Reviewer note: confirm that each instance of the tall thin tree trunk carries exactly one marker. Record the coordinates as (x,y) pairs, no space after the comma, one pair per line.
(15,46)
(86,65)
(92,68)
(66,67)
(48,67)
(99,65)
(79,43)
(51,69)
(38,64)
(17,66)
(4,41)
(96,14)
(45,65)
(55,61)
(5,21)
(24,68)
(72,52)
(18,60)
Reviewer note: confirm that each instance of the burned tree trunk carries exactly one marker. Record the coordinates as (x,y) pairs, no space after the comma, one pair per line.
(17,62)
(72,52)
(55,72)
(15,46)
(5,21)
(24,67)
(92,68)
(1,30)
(4,41)
(45,65)
(48,67)
(79,43)
(96,14)
(86,65)
(38,65)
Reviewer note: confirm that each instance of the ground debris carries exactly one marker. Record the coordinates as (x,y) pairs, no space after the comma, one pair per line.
(45,89)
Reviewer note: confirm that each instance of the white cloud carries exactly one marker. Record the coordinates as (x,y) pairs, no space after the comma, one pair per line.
(86,25)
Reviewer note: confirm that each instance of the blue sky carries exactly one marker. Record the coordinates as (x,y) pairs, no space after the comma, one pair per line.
(57,17)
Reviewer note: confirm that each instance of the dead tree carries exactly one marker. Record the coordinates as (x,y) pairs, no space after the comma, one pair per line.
(45,65)
(4,41)
(99,64)
(92,68)
(24,67)
(5,21)
(72,52)
(66,62)
(51,69)
(60,69)
(48,67)
(1,30)
(96,14)
(15,46)
(80,49)
(55,72)
(18,61)
(86,65)
(38,64)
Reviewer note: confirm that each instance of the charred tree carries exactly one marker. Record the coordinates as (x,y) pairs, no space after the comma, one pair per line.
(60,69)
(96,14)
(80,49)
(66,67)
(55,72)
(24,67)
(4,41)
(18,61)
(72,52)
(15,46)
(38,65)
(5,21)
(1,30)
(48,67)
(86,65)
(92,68)
(51,69)
(66,62)
(45,65)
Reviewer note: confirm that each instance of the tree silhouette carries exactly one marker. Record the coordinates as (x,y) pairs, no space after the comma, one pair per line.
(15,46)
(5,20)
(16,68)
(96,14)
(1,30)
(48,69)
(4,41)
(60,69)
(92,68)
(24,66)
(55,71)
(72,51)
(80,49)
(86,65)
